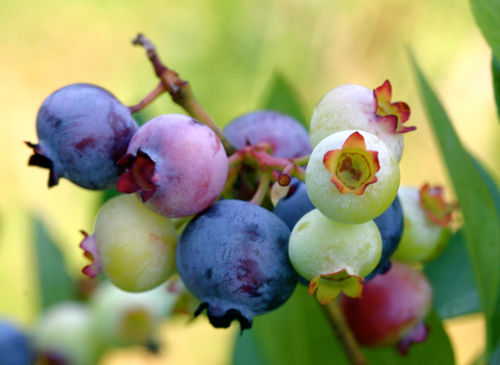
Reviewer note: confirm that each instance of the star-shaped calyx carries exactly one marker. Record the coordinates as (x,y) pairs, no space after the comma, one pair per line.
(353,166)
(91,251)
(392,115)
(434,205)
(328,286)
(139,176)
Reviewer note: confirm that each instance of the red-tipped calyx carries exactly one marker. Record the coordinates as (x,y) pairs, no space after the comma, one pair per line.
(393,115)
(417,334)
(328,286)
(39,159)
(353,166)
(90,251)
(139,175)
(434,205)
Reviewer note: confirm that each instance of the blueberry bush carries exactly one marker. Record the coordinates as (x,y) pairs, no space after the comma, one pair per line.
(293,229)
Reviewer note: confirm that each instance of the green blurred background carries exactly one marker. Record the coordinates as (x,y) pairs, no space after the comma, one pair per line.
(228,50)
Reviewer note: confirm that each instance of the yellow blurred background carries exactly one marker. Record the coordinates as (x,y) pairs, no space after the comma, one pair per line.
(228,51)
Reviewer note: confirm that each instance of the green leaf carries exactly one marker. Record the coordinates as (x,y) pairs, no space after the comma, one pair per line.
(435,350)
(299,334)
(452,280)
(282,97)
(487,15)
(481,230)
(53,280)
(495,71)
(295,334)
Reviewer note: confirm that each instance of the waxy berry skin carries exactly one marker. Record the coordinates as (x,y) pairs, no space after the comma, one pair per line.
(176,164)
(83,131)
(293,207)
(287,137)
(234,257)
(391,309)
(390,225)
(15,346)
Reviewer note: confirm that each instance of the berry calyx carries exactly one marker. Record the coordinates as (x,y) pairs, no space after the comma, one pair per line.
(393,114)
(353,167)
(434,205)
(357,162)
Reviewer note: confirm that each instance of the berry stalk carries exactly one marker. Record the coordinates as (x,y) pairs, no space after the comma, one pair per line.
(344,334)
(179,90)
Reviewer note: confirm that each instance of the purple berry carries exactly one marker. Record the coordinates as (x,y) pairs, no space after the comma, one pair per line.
(15,347)
(83,131)
(288,138)
(176,164)
(234,258)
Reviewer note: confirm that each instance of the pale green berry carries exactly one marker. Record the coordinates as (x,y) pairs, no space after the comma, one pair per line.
(132,245)
(357,107)
(352,176)
(335,253)
(423,239)
(65,331)
(122,318)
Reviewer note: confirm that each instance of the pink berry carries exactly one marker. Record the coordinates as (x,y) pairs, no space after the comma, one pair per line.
(392,308)
(176,164)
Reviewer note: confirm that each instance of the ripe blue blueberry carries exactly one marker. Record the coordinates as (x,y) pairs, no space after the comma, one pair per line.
(83,131)
(15,347)
(297,203)
(390,225)
(234,258)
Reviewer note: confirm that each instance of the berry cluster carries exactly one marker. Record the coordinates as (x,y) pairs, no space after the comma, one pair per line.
(246,213)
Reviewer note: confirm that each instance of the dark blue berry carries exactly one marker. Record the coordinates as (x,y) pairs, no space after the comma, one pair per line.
(15,347)
(234,258)
(297,203)
(83,131)
(390,225)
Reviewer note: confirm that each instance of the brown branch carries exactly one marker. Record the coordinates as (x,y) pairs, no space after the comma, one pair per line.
(180,90)
(344,334)
(158,90)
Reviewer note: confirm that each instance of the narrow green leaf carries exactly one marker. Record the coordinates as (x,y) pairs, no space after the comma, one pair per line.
(495,71)
(53,280)
(435,350)
(452,280)
(282,97)
(487,15)
(481,231)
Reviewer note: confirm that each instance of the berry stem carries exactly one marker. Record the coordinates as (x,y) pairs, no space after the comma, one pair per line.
(344,334)
(180,90)
(158,90)
(262,190)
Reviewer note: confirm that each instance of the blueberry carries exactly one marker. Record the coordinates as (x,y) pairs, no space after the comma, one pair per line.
(83,131)
(287,137)
(234,258)
(15,347)
(390,225)
(297,203)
